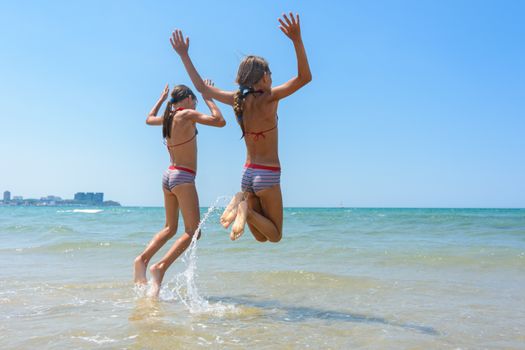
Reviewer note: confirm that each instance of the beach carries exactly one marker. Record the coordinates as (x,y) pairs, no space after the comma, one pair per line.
(340,278)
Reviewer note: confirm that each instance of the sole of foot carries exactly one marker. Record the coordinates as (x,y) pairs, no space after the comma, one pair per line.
(230,213)
(240,221)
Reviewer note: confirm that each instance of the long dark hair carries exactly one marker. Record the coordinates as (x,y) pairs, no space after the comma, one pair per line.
(179,93)
(251,70)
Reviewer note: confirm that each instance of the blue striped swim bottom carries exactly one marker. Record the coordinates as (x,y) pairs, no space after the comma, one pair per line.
(176,175)
(257,177)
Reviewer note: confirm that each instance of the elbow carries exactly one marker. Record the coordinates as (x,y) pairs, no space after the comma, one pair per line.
(303,79)
(307,78)
(221,122)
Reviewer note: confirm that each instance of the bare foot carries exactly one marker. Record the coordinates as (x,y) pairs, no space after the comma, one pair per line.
(231,210)
(139,271)
(157,274)
(240,221)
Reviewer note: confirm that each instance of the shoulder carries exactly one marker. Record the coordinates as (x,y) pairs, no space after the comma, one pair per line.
(186,114)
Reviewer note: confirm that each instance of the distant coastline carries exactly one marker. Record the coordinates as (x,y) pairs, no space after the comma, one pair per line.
(81,199)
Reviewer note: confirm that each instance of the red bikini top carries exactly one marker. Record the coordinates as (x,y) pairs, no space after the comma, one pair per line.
(258,134)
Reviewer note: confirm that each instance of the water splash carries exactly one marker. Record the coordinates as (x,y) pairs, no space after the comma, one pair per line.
(185,287)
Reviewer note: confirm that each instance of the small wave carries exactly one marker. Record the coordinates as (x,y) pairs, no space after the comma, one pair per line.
(98,339)
(85,211)
(61,229)
(20,228)
(69,246)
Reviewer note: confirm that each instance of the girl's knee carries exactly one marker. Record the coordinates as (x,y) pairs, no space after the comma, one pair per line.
(192,232)
(169,231)
(276,238)
(261,239)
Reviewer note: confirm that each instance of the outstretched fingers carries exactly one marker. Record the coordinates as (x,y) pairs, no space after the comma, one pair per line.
(283,26)
(287,19)
(294,20)
(174,39)
(289,25)
(177,41)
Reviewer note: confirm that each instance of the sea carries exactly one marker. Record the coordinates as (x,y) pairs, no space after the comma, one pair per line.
(341,278)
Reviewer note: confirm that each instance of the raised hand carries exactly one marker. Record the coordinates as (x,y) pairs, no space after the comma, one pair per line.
(291,26)
(165,92)
(178,43)
(207,82)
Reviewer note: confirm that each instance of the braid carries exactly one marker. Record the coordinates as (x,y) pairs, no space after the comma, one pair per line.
(238,104)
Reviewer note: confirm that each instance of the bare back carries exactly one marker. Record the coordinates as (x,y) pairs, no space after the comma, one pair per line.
(261,132)
(182,143)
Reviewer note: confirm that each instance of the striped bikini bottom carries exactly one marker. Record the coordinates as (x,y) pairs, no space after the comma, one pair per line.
(176,175)
(257,177)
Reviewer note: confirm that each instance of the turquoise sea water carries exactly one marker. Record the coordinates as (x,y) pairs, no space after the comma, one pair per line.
(339,279)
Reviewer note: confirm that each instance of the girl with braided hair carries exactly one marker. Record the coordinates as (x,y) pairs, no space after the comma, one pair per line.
(255,106)
(178,182)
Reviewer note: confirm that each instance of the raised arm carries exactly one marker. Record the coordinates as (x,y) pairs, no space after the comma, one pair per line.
(181,46)
(292,29)
(215,119)
(152,118)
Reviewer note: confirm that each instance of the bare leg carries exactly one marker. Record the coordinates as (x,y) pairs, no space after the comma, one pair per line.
(172,219)
(230,213)
(240,221)
(189,206)
(270,223)
(255,204)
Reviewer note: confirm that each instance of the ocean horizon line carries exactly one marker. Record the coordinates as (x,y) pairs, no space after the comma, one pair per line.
(344,207)
(286,207)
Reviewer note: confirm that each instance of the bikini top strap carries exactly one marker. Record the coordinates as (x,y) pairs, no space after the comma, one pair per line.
(258,134)
(182,143)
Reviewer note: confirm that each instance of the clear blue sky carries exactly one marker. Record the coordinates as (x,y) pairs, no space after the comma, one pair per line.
(412,103)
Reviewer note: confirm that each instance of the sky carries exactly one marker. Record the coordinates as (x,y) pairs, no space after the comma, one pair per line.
(412,103)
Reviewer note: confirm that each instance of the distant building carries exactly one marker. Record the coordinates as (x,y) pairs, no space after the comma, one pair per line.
(98,197)
(81,199)
(89,197)
(80,196)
